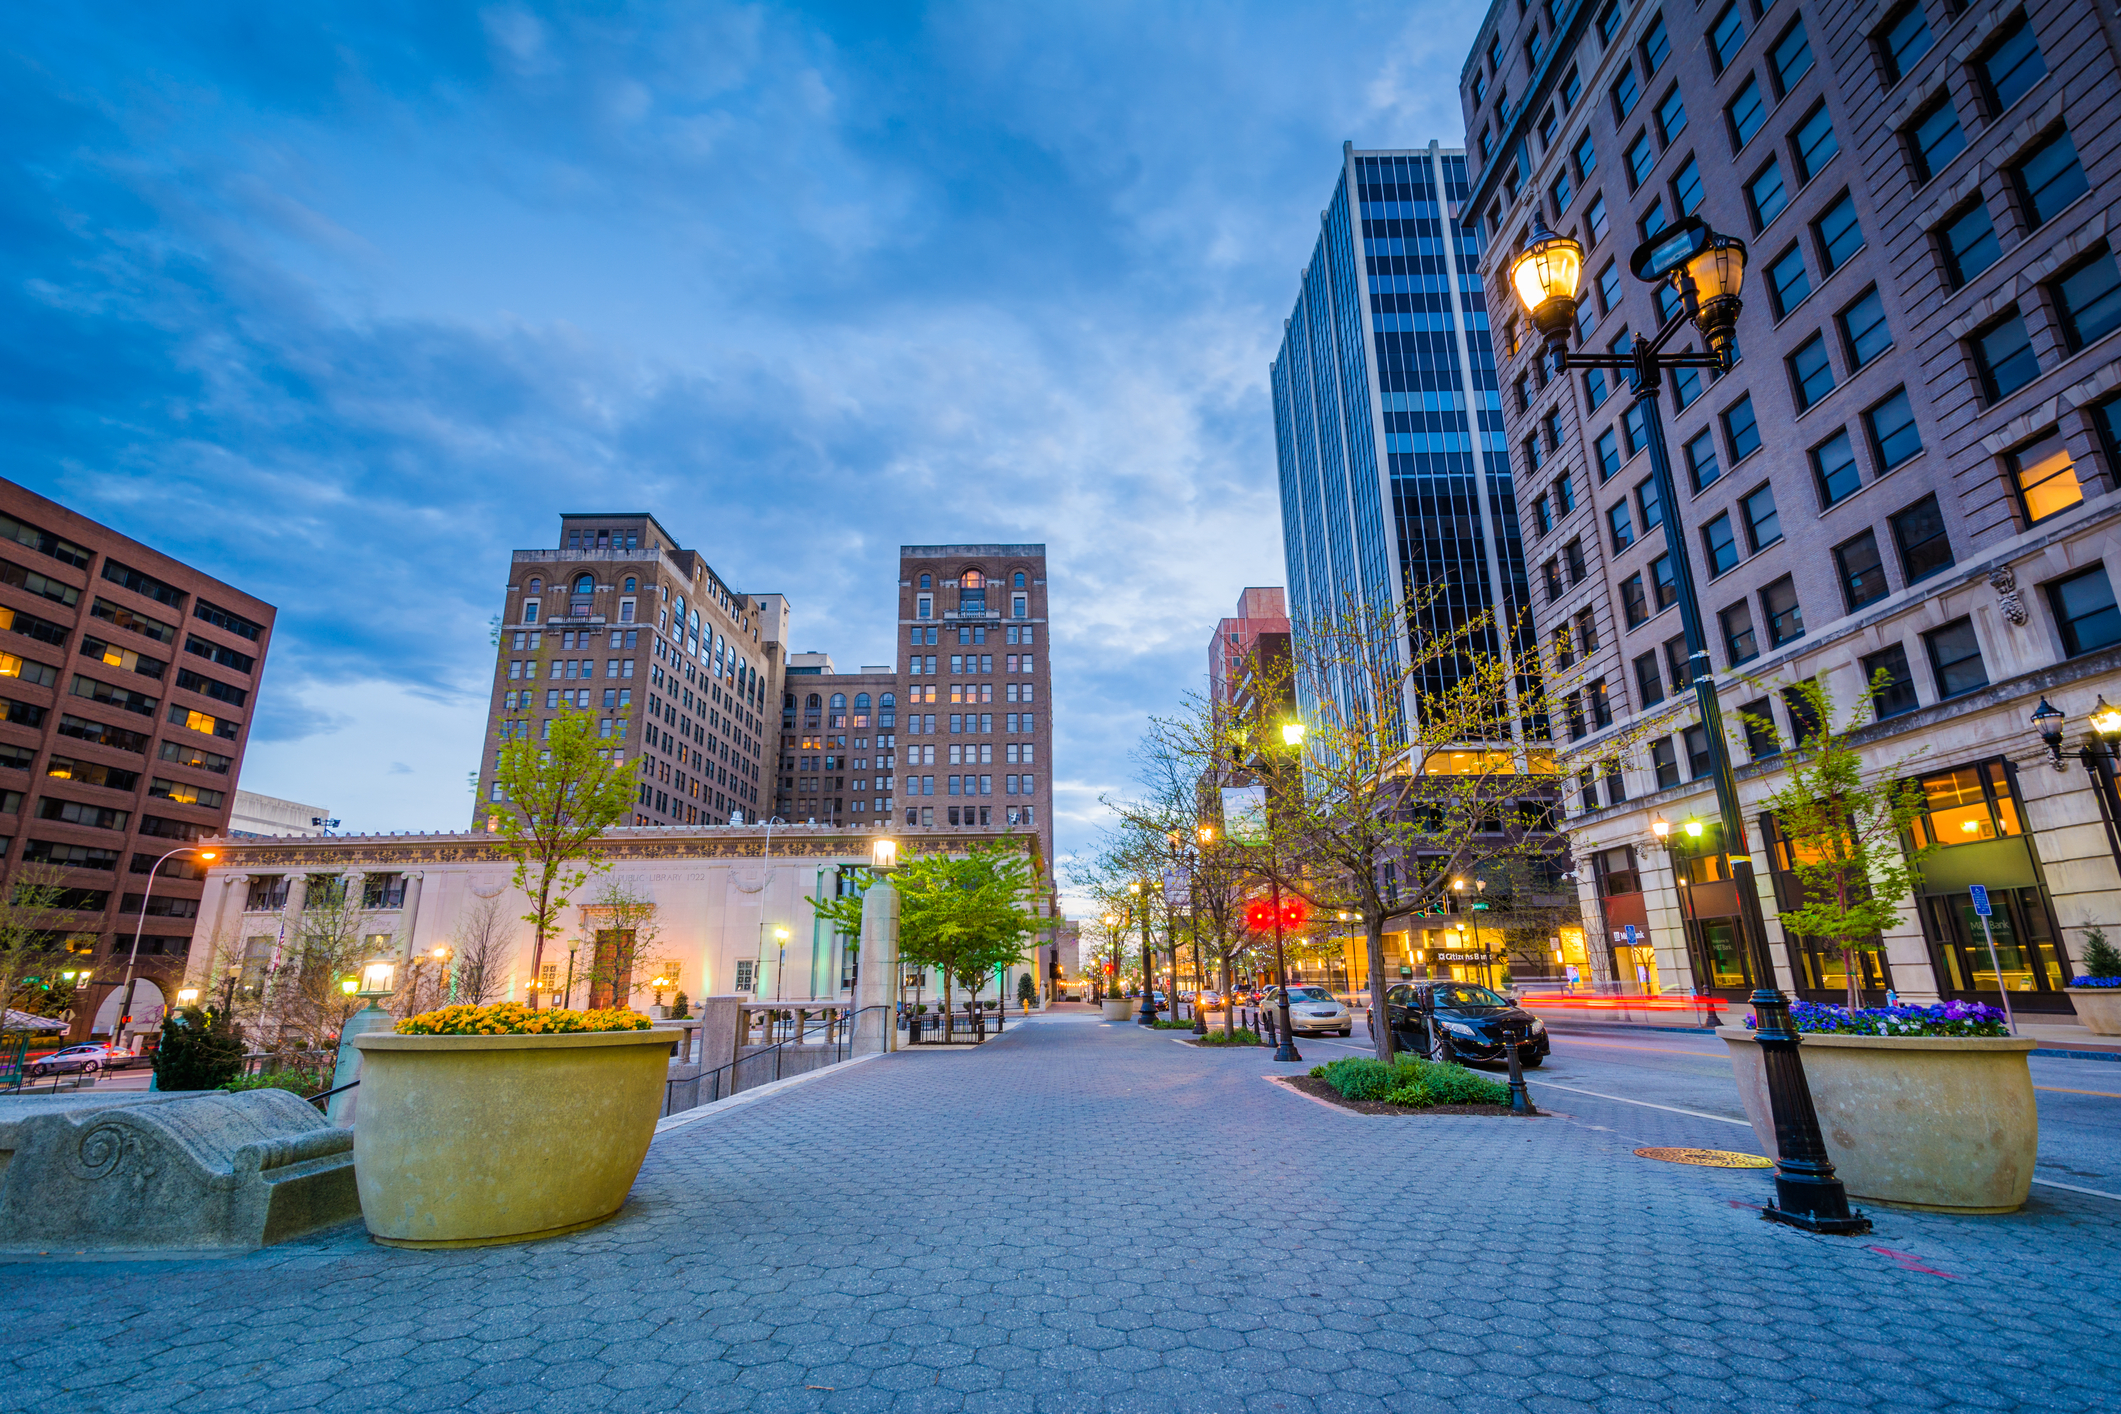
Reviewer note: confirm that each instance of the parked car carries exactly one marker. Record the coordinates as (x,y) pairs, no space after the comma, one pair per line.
(86,1060)
(1473,1017)
(1311,1009)
(1209,1000)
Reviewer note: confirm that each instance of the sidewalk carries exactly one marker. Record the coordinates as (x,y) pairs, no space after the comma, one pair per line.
(2056,1038)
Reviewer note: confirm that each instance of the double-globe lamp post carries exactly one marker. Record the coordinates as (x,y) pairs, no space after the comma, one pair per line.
(1706,269)
(132,963)
(1147,1015)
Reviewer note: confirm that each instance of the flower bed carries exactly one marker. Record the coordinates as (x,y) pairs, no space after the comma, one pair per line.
(515,1019)
(2088,981)
(1410,1081)
(1942,1019)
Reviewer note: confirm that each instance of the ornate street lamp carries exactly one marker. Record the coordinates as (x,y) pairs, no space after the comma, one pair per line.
(1147,1015)
(2099,757)
(125,1007)
(1707,269)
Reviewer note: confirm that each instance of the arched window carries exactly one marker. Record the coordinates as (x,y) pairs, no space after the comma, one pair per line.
(815,702)
(584,584)
(629,584)
(925,582)
(861,701)
(970,579)
(839,701)
(1019,579)
(537,586)
(889,699)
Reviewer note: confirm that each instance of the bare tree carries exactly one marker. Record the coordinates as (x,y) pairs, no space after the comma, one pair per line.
(30,951)
(483,942)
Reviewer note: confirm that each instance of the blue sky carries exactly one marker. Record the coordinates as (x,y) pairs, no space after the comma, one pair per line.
(342,303)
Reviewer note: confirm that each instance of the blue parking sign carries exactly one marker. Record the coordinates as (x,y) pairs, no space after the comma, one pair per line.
(1980,893)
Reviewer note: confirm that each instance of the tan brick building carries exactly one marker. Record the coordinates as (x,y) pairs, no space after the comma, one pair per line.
(680,667)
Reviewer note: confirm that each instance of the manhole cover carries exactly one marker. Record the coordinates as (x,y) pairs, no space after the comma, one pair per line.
(1707,1158)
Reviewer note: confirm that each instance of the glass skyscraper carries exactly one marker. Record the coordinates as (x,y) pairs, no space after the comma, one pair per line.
(1387,421)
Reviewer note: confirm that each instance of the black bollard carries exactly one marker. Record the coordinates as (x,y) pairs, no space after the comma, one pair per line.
(1520,1099)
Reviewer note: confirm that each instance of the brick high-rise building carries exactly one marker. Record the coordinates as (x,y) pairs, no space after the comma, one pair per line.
(1258,633)
(976,675)
(128,681)
(838,740)
(681,668)
(1909,474)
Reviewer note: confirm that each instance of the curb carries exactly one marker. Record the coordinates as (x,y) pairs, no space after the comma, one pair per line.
(745,1097)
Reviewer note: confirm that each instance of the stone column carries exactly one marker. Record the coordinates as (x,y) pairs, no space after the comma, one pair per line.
(199,960)
(291,915)
(409,917)
(339,1109)
(876,986)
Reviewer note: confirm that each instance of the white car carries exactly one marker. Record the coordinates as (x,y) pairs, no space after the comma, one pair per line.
(85,1059)
(1311,1009)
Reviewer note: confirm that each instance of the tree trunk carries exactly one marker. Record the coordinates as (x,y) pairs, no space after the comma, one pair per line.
(948,1002)
(1380,1019)
(1849,965)
(1229,1007)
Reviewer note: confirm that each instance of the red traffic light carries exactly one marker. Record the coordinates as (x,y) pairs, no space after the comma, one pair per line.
(1259,914)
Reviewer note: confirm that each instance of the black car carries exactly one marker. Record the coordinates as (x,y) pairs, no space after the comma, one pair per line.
(1472,1016)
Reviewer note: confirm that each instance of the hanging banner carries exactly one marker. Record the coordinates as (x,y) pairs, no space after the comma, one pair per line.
(1245,814)
(1176,893)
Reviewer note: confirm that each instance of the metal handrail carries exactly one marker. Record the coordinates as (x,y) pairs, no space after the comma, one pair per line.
(319,1099)
(844,1046)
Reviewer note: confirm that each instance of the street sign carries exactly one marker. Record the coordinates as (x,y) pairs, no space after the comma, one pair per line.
(1245,814)
(1980,893)
(1632,935)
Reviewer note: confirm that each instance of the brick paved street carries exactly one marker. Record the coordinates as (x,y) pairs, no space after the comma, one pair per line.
(1084,1218)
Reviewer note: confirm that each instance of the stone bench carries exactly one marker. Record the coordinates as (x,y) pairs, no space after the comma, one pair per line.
(204,1172)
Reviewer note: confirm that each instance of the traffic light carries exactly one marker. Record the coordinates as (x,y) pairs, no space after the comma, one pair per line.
(1259,914)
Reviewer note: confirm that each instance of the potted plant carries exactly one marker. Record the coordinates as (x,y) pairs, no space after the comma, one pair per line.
(491,1124)
(1924,1107)
(2096,992)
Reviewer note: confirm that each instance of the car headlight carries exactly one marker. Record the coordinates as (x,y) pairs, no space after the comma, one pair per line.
(1538,1026)
(1459,1028)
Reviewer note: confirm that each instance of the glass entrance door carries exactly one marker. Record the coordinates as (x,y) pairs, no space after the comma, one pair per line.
(1719,962)
(2030,963)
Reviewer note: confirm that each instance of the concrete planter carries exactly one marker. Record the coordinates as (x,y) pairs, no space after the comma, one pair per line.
(466,1141)
(2099,1008)
(1945,1123)
(1121,1008)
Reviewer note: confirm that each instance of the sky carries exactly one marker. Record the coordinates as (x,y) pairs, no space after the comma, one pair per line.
(342,303)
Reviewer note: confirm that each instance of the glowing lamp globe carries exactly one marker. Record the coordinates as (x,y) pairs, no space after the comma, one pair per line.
(1546,274)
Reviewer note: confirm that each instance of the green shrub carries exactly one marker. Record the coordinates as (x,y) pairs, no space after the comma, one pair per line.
(1423,1083)
(1242,1036)
(302,1082)
(1358,1078)
(1174,1025)
(198,1051)
(2101,958)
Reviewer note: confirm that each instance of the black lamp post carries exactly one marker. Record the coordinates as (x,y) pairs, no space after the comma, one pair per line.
(1147,1015)
(1706,269)
(2099,757)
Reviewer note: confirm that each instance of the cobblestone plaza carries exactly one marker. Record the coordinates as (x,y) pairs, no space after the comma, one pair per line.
(1083,1217)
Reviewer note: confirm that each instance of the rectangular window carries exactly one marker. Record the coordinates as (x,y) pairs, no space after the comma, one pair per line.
(1862,571)
(1721,542)
(1686,386)
(1785,618)
(1609,287)
(1608,447)
(1587,631)
(1561,193)
(1649,682)
(1955,659)
(1766,195)
(1671,116)
(1571,90)
(1634,603)
(1816,143)
(1902,40)
(2085,611)
(2012,66)
(1788,280)
(1572,554)
(2046,477)
(1746,113)
(1894,436)
(1635,422)
(1701,461)
(1740,429)
(1662,584)
(1594,387)
(1594,220)
(1625,94)
(1679,663)
(1601,704)
(1664,760)
(1918,533)
(1761,739)
(1565,493)
(1646,501)
(1686,187)
(1586,157)
(1791,58)
(1641,159)
(2089,300)
(1838,233)
(1934,139)
(2049,179)
(1891,682)
(1609,22)
(1564,649)
(1834,468)
(1864,334)
(1622,528)
(1726,35)
(1739,645)
(1967,241)
(2004,354)
(1811,372)
(1543,515)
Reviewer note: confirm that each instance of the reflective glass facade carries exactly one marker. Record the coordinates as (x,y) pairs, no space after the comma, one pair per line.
(1388,423)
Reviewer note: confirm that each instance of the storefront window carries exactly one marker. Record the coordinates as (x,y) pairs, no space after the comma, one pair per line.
(1722,960)
(1967,805)
(2026,956)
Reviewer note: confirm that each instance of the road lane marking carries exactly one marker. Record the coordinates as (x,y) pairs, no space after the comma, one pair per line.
(1624,1046)
(2073,1188)
(1674,1109)
(2065,1090)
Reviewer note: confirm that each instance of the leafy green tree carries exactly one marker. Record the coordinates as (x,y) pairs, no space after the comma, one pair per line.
(30,952)
(967,915)
(1842,832)
(559,796)
(2101,958)
(199,1050)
